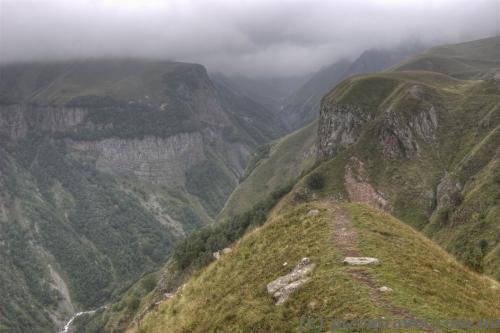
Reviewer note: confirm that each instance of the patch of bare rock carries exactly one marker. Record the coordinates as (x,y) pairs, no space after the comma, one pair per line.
(282,287)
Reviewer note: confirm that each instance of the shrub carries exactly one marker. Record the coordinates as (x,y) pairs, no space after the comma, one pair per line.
(149,283)
(456,198)
(443,215)
(134,303)
(483,245)
(316,181)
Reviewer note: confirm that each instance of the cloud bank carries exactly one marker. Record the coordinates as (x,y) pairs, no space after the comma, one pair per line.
(254,38)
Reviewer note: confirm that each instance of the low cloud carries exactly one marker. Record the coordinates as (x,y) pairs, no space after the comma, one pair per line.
(254,38)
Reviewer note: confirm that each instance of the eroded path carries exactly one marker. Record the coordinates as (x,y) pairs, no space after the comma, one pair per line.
(345,239)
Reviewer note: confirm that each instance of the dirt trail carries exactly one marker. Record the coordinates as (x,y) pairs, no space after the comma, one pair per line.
(345,239)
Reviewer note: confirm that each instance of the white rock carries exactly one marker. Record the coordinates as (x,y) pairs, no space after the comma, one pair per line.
(168,295)
(216,255)
(283,286)
(313,212)
(385,289)
(360,261)
(226,250)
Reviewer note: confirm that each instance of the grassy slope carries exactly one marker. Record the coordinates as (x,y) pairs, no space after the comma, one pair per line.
(465,60)
(230,295)
(287,159)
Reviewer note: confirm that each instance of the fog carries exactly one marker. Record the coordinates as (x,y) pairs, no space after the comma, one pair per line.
(253,38)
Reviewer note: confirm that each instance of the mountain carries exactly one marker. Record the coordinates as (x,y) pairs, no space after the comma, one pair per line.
(302,106)
(105,165)
(405,171)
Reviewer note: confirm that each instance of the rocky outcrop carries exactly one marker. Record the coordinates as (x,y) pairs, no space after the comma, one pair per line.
(339,127)
(282,287)
(360,190)
(446,187)
(402,125)
(400,134)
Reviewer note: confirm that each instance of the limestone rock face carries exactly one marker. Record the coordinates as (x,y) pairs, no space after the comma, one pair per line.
(157,160)
(339,126)
(17,120)
(282,287)
(403,124)
(399,134)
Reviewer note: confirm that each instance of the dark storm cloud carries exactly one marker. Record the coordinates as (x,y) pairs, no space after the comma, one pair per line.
(260,37)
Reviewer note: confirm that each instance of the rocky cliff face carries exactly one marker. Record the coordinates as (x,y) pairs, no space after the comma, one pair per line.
(404,118)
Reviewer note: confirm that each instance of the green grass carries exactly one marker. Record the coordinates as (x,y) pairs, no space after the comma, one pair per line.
(230,294)
(424,277)
(287,159)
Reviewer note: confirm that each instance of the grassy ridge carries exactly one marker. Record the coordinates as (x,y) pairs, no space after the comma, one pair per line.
(230,295)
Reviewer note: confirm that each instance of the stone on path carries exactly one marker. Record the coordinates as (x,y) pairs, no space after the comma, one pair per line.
(357,261)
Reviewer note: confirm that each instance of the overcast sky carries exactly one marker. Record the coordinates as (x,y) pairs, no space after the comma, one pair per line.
(254,37)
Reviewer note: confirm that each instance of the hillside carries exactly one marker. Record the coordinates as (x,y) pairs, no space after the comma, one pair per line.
(105,165)
(230,294)
(292,155)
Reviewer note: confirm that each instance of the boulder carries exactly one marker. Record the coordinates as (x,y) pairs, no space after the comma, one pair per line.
(385,289)
(282,287)
(360,261)
(312,212)
(218,254)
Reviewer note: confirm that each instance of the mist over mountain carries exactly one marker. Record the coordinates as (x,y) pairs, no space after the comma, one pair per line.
(255,38)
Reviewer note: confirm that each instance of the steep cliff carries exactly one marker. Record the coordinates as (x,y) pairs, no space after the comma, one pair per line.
(105,164)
